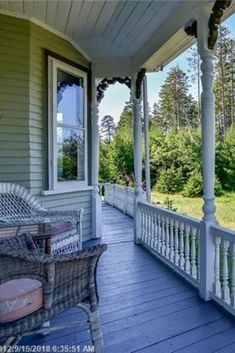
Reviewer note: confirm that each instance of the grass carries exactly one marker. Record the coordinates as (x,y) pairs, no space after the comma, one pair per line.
(193,206)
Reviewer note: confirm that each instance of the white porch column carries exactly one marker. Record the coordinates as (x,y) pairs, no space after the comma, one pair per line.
(208,154)
(146,139)
(137,135)
(96,200)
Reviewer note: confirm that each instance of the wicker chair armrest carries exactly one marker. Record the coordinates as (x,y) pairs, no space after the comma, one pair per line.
(60,275)
(23,255)
(21,221)
(30,257)
(94,251)
(21,265)
(74,216)
(76,273)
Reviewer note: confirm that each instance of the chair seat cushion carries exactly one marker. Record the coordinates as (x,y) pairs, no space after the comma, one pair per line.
(19,298)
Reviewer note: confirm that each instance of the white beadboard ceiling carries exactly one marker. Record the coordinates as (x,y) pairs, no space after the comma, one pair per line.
(122,31)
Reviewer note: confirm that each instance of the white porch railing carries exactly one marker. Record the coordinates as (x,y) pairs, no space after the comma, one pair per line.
(121,197)
(176,240)
(172,237)
(224,268)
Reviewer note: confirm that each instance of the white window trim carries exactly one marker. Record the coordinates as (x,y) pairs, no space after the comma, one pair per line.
(54,184)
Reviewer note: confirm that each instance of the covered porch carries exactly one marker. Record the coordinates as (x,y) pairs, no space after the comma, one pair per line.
(144,306)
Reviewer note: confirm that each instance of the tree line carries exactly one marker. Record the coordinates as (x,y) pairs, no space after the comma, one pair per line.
(175,136)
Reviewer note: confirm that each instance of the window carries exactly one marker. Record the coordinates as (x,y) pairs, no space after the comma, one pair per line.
(67,126)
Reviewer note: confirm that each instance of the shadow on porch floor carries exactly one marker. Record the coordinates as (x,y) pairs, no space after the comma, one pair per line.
(145,307)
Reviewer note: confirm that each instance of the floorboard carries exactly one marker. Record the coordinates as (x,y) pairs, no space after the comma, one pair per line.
(145,307)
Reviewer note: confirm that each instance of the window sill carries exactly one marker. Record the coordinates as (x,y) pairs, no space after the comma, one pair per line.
(65,191)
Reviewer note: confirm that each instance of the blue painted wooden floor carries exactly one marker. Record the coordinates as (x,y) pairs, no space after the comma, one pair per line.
(144,307)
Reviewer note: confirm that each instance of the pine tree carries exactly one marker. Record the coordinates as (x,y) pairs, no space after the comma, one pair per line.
(107,128)
(126,119)
(224,81)
(194,70)
(177,107)
(155,118)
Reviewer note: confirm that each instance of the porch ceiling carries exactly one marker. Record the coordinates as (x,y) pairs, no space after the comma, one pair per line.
(116,35)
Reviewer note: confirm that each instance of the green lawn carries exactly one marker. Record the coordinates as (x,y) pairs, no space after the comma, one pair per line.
(193,206)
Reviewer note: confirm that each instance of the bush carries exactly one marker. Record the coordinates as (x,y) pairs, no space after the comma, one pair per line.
(194,186)
(170,180)
(225,161)
(218,188)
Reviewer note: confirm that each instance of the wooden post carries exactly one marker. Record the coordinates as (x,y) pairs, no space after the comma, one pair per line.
(208,155)
(96,200)
(137,132)
(146,139)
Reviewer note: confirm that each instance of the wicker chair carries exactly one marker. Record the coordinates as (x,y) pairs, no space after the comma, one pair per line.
(20,212)
(67,281)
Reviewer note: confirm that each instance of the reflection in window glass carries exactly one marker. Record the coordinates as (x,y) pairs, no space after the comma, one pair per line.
(70,154)
(70,99)
(70,127)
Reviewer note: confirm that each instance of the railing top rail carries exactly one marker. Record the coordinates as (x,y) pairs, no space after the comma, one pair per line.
(223,233)
(117,186)
(175,215)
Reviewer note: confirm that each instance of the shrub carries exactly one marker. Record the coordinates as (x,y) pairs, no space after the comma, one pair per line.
(170,180)
(225,161)
(194,186)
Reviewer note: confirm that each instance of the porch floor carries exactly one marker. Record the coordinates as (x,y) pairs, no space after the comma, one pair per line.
(145,307)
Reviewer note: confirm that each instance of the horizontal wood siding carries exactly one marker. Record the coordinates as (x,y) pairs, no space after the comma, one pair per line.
(40,40)
(14,100)
(23,110)
(72,200)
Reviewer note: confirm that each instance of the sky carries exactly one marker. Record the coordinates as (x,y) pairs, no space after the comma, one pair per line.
(116,95)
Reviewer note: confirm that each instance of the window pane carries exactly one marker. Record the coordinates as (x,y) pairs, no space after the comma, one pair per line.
(70,99)
(70,154)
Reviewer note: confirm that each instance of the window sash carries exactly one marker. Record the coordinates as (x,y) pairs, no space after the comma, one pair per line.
(54,184)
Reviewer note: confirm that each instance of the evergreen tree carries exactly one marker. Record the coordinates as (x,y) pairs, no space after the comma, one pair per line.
(116,157)
(224,81)
(194,70)
(107,128)
(126,119)
(155,118)
(177,107)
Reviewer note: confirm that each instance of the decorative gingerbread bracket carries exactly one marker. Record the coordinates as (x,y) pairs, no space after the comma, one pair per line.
(103,85)
(192,29)
(215,19)
(139,81)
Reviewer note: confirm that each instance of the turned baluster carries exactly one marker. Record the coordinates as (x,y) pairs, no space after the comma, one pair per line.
(187,261)
(233,277)
(142,224)
(217,283)
(159,245)
(193,270)
(148,240)
(181,229)
(167,251)
(198,255)
(176,259)
(152,229)
(163,248)
(145,226)
(155,231)
(171,239)
(225,287)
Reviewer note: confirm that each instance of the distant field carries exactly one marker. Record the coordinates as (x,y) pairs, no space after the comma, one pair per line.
(193,206)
